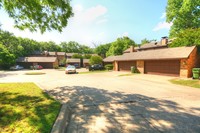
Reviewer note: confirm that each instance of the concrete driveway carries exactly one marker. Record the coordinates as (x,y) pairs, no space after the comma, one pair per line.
(106,102)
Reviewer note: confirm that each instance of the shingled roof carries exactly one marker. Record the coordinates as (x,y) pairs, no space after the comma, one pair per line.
(58,53)
(73,60)
(148,46)
(158,54)
(111,58)
(36,59)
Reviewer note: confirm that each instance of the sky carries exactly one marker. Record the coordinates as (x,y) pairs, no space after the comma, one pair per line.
(98,22)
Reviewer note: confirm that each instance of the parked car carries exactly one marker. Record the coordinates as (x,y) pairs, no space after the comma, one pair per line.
(17,67)
(38,67)
(96,67)
(70,69)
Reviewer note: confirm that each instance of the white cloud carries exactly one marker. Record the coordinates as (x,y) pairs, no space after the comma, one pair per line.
(81,28)
(101,21)
(163,15)
(162,25)
(94,12)
(125,34)
(78,8)
(89,15)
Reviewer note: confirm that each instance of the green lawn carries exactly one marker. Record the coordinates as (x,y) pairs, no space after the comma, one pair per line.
(24,107)
(191,83)
(35,73)
(127,74)
(96,71)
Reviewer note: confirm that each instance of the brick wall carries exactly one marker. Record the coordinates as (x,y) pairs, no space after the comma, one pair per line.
(188,64)
(115,65)
(140,66)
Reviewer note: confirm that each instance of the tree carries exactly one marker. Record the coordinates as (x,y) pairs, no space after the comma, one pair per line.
(95,60)
(188,37)
(144,41)
(87,56)
(184,14)
(102,49)
(85,49)
(78,56)
(119,46)
(38,14)
(6,59)
(70,47)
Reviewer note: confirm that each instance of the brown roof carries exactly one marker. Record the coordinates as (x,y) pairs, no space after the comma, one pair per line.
(86,60)
(110,58)
(70,54)
(73,60)
(36,59)
(158,54)
(148,46)
(58,53)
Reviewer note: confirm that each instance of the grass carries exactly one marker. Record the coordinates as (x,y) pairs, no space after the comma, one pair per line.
(24,107)
(34,73)
(191,83)
(127,74)
(92,72)
(61,68)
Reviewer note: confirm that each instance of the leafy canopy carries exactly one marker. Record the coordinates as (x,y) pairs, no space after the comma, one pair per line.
(95,60)
(120,45)
(38,14)
(102,49)
(187,37)
(184,14)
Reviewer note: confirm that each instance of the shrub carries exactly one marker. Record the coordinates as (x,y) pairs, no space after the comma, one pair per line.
(56,67)
(95,60)
(109,67)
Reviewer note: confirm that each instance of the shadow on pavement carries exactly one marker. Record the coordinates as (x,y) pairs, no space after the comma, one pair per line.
(98,110)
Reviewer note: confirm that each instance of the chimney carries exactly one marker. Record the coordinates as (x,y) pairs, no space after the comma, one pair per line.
(56,54)
(164,40)
(132,49)
(46,53)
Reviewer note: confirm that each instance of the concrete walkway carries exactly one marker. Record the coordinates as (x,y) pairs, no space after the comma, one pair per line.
(106,102)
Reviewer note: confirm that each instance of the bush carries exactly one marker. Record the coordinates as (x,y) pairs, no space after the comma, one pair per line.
(95,60)
(109,67)
(56,67)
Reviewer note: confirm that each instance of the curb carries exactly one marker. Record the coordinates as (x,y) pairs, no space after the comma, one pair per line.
(62,120)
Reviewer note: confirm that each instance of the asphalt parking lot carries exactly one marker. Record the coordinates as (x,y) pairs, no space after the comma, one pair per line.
(107,102)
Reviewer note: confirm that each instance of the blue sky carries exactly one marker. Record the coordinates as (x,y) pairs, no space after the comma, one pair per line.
(102,21)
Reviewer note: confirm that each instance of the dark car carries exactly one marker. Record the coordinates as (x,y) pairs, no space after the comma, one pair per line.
(96,67)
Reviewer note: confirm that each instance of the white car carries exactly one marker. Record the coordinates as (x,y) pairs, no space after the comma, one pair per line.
(70,69)
(17,67)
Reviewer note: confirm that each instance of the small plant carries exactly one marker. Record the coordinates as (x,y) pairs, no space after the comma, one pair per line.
(56,67)
(109,67)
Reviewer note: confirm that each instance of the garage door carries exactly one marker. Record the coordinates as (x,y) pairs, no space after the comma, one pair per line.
(126,65)
(46,65)
(164,67)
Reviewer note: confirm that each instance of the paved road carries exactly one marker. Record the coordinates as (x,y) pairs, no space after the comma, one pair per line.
(106,102)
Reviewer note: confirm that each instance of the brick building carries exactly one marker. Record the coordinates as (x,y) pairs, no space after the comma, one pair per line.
(157,58)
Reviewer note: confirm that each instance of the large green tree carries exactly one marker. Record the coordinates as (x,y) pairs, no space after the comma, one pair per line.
(187,37)
(184,14)
(95,60)
(102,49)
(6,58)
(118,47)
(144,41)
(38,14)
